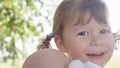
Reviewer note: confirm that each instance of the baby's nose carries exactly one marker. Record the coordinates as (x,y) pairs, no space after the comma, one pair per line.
(96,40)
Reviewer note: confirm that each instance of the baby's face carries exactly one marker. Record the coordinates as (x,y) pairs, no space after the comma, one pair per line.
(92,42)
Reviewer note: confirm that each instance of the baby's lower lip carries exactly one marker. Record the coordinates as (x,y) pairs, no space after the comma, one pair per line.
(96,56)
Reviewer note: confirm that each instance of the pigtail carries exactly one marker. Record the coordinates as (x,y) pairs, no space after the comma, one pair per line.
(116,36)
(45,43)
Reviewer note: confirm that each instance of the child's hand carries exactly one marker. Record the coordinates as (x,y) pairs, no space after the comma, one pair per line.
(79,64)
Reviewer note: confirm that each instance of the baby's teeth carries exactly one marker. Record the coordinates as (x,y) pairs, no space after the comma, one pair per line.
(95,54)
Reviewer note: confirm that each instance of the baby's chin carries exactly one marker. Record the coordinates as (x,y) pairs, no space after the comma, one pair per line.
(99,63)
(102,64)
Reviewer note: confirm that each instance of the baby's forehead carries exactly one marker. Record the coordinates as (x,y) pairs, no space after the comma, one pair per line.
(82,19)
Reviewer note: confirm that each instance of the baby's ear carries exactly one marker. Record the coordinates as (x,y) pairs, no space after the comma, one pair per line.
(59,43)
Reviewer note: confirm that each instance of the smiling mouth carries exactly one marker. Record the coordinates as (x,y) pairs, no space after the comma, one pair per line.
(96,55)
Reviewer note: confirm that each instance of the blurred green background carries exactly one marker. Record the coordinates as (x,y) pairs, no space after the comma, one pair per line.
(22,24)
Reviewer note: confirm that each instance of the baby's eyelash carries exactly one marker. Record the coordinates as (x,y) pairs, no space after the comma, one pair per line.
(103,31)
(83,33)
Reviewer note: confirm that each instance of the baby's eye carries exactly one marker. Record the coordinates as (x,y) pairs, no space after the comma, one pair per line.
(103,31)
(83,33)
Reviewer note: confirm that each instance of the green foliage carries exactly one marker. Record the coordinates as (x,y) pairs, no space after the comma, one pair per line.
(16,23)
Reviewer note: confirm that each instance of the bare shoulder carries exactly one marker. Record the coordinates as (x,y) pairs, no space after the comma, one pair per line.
(46,58)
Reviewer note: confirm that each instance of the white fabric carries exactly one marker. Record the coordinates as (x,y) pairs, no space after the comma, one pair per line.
(79,64)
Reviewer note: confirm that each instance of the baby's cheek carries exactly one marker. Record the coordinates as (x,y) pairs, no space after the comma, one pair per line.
(111,42)
(77,52)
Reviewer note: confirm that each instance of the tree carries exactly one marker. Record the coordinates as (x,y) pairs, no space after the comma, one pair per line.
(17,22)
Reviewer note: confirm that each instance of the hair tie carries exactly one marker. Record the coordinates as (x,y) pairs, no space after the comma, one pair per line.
(48,38)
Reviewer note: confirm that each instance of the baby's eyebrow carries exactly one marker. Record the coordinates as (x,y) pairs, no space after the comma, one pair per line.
(79,27)
(82,21)
(106,26)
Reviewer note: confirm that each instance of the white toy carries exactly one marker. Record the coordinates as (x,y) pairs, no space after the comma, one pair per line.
(79,64)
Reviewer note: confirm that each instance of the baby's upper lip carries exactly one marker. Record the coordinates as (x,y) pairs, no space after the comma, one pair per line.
(96,53)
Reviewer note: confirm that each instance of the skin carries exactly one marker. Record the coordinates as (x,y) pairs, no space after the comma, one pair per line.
(46,58)
(92,42)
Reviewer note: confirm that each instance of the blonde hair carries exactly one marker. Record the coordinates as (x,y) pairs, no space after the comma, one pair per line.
(66,11)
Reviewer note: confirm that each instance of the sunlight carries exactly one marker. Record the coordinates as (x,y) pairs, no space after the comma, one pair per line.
(114,11)
(114,14)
